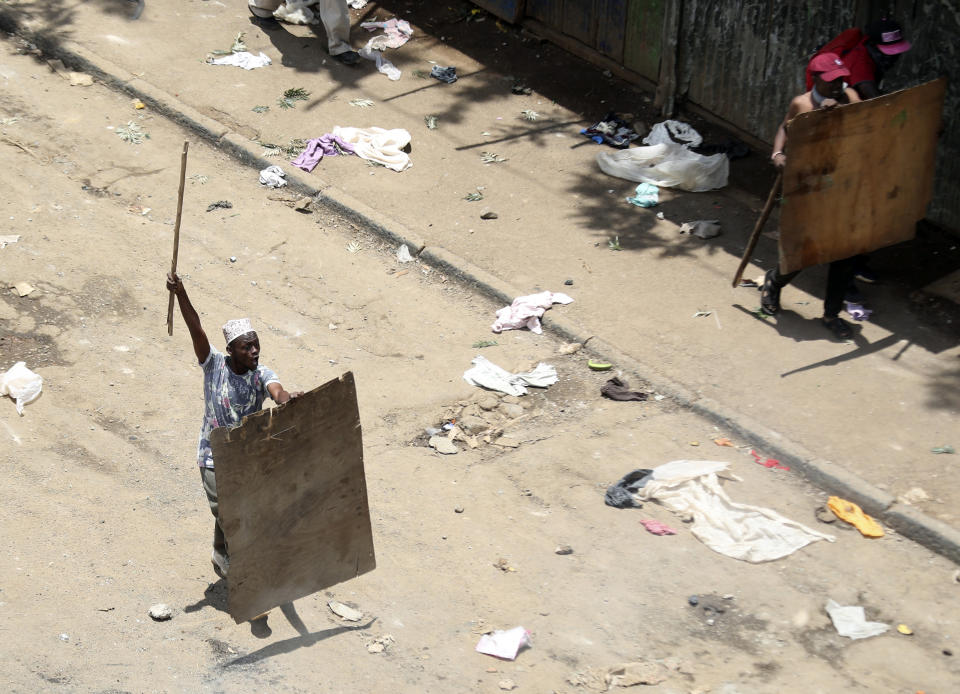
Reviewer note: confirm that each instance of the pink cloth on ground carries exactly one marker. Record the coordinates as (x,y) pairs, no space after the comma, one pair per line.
(525,311)
(319,148)
(657,528)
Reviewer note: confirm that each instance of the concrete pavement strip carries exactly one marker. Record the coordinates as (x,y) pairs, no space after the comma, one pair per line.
(909,522)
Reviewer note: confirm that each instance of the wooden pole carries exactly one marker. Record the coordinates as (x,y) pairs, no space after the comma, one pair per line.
(176,233)
(755,236)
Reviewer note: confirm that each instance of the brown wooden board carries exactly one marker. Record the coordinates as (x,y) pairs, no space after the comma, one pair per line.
(858,177)
(293,499)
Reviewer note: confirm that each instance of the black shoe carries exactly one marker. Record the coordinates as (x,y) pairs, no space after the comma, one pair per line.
(769,295)
(348,58)
(839,327)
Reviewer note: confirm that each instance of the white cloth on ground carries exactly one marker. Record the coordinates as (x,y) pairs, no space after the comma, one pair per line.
(273,176)
(525,311)
(749,533)
(486,374)
(21,384)
(670,131)
(850,621)
(244,59)
(667,165)
(296,12)
(396,33)
(379,145)
(383,65)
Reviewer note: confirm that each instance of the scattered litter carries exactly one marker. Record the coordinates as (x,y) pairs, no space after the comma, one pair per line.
(243,59)
(291,96)
(614,243)
(219,204)
(612,130)
(64,637)
(525,311)
(749,283)
(569,348)
(442,444)
(667,163)
(660,215)
(403,254)
(618,389)
(646,195)
(489,215)
(488,375)
(21,384)
(473,197)
(943,449)
(160,612)
(361,103)
(913,496)
(529,114)
(741,531)
(80,79)
(905,630)
(631,674)
(656,527)
(444,74)
(563,550)
(260,109)
(568,282)
(504,644)
(598,366)
(138,105)
(396,32)
(491,158)
(851,513)
(345,612)
(770,463)
(622,494)
(273,177)
(702,228)
(850,621)
(858,311)
(673,132)
(431,122)
(503,565)
(22,288)
(295,12)
(380,644)
(480,344)
(132,133)
(8,239)
(328,145)
(384,147)
(233,258)
(724,441)
(507,684)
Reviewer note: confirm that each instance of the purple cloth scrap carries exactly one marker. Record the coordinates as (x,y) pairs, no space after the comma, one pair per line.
(328,145)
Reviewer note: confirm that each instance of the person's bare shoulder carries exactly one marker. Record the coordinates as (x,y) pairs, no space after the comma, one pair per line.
(800,104)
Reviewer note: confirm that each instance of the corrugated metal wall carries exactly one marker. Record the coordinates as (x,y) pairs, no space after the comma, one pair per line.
(743,60)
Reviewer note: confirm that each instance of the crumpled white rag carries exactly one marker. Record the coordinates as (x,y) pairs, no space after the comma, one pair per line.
(396,33)
(244,59)
(504,644)
(273,177)
(486,374)
(21,384)
(296,12)
(525,311)
(850,621)
(749,533)
(379,145)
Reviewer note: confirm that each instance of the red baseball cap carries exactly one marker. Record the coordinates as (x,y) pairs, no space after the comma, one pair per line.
(828,66)
(887,36)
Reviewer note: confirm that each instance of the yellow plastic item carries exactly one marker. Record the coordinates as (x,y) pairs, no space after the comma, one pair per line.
(904,629)
(599,366)
(854,515)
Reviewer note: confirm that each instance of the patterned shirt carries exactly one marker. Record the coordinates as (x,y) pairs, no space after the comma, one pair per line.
(228,398)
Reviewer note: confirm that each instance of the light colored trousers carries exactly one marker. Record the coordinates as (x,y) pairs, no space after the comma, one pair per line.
(333,15)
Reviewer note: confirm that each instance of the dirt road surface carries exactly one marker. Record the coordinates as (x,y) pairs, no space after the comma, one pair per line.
(102,514)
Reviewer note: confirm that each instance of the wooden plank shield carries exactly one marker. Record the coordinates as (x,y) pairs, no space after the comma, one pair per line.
(858,177)
(293,499)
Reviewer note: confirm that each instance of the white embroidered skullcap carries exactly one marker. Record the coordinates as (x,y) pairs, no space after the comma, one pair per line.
(233,329)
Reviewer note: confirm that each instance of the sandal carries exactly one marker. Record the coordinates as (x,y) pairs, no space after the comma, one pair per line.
(839,327)
(769,295)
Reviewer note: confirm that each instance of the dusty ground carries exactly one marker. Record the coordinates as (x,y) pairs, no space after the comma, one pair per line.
(102,514)
(875,405)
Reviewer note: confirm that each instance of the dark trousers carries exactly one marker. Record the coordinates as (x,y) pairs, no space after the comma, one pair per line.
(839,277)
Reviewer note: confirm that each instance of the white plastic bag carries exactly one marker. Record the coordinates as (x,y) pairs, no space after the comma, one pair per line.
(667,165)
(670,131)
(21,384)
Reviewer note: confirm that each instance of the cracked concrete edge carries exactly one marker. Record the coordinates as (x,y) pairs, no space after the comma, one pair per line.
(909,522)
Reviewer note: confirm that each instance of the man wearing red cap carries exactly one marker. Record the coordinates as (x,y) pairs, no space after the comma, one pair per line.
(868,54)
(828,91)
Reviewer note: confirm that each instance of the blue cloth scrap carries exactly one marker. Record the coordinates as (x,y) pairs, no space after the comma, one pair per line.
(647,195)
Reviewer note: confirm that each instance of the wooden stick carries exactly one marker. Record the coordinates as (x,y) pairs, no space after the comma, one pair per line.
(755,236)
(176,234)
